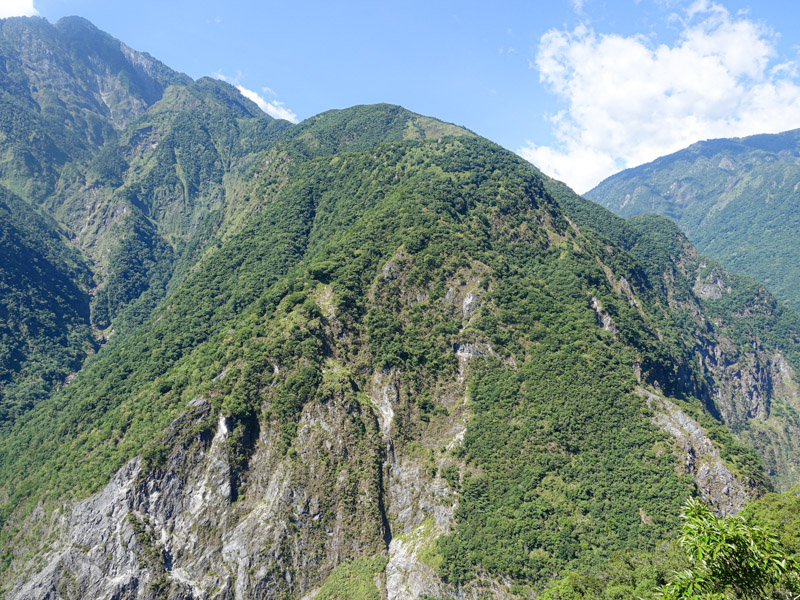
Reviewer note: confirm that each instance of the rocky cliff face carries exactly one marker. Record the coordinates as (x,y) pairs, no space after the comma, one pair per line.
(700,457)
(188,528)
(181,531)
(743,375)
(751,385)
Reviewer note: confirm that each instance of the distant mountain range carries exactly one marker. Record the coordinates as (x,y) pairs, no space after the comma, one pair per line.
(371,355)
(737,199)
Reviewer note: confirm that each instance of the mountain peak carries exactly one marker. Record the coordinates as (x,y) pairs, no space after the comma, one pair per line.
(76,24)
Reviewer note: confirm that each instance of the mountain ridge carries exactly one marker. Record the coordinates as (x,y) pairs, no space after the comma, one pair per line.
(735,198)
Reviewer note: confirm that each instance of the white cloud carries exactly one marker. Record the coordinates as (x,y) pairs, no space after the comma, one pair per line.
(629,102)
(274,109)
(577,5)
(17,8)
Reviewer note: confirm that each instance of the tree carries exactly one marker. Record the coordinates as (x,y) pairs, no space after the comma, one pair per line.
(731,559)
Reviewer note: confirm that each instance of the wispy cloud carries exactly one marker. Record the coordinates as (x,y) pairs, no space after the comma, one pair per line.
(629,102)
(274,108)
(17,8)
(577,5)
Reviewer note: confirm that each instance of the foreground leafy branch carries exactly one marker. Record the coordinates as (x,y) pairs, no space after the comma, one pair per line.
(731,559)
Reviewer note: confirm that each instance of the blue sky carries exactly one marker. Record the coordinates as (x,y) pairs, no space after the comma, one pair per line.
(580,88)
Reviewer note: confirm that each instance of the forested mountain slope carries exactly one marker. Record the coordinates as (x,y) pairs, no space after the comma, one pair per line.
(736,199)
(44,307)
(370,355)
(744,339)
(65,91)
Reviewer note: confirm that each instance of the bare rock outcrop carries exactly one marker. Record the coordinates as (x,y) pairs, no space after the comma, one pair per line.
(715,482)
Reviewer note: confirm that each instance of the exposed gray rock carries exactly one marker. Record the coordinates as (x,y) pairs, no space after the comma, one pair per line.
(471,303)
(179,529)
(464,352)
(407,577)
(604,320)
(98,549)
(384,396)
(716,484)
(745,382)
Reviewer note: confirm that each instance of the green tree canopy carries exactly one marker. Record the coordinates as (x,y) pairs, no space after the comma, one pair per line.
(731,559)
